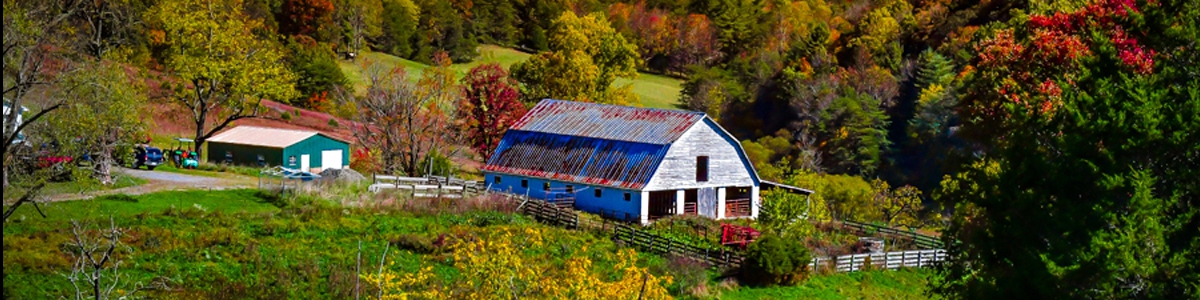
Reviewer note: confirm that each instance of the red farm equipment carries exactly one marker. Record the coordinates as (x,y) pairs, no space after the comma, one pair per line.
(738,236)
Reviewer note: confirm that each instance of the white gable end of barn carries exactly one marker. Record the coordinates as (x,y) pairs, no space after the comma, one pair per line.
(726,164)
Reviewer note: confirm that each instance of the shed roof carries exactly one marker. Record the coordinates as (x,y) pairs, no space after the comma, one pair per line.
(610,122)
(590,143)
(264,137)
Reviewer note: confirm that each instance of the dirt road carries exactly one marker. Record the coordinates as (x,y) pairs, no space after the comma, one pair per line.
(158,181)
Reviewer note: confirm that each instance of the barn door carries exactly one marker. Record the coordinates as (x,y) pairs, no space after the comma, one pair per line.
(707,202)
(304,162)
(331,159)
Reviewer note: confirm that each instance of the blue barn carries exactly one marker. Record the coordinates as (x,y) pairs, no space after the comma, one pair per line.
(636,164)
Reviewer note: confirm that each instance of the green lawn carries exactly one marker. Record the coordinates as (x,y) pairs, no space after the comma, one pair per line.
(902,284)
(71,187)
(654,90)
(122,207)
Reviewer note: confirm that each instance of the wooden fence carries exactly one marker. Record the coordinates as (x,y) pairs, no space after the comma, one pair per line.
(647,241)
(653,243)
(889,260)
(920,240)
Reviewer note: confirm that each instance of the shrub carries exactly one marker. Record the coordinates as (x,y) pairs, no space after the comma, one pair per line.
(415,243)
(772,260)
(333,123)
(285,116)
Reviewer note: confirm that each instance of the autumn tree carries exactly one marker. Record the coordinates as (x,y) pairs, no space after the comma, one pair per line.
(403,120)
(304,17)
(1087,129)
(224,70)
(490,104)
(586,56)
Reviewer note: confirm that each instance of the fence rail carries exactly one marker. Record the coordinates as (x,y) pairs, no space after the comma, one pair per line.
(888,260)
(644,240)
(920,240)
(429,186)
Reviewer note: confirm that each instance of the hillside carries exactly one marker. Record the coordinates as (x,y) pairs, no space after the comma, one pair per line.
(654,90)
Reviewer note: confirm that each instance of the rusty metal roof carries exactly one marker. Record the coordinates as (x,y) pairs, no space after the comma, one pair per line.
(576,159)
(263,136)
(610,122)
(589,143)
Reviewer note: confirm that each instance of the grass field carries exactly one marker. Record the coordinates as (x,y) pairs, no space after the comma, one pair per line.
(236,244)
(653,90)
(902,284)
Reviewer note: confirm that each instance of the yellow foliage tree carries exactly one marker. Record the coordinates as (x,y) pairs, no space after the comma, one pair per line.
(586,56)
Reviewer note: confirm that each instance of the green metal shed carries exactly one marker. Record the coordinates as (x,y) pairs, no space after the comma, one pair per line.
(295,149)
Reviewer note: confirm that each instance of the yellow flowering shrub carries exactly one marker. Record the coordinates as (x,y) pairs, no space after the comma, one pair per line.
(501,262)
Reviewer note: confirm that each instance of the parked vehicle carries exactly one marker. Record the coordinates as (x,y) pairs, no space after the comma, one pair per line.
(147,156)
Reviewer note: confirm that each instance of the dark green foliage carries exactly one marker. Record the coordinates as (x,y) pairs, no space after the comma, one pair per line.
(1096,198)
(495,21)
(399,27)
(318,74)
(442,28)
(773,260)
(711,90)
(416,243)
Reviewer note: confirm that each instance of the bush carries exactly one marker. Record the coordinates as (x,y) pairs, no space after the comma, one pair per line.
(285,116)
(333,123)
(415,243)
(772,260)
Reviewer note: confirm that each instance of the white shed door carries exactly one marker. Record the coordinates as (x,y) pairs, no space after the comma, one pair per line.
(304,162)
(331,159)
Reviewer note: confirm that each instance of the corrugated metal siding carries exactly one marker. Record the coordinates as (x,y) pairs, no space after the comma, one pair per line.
(610,122)
(611,201)
(244,154)
(576,159)
(313,147)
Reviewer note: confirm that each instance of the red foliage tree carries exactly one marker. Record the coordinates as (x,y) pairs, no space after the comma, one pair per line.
(490,104)
(304,17)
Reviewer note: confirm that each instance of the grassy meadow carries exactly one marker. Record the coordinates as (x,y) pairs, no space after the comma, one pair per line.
(654,90)
(237,244)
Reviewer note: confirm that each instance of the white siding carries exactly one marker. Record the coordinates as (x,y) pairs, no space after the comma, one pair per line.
(678,168)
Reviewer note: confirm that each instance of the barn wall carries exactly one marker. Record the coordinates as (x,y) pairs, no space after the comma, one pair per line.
(611,201)
(245,155)
(313,147)
(727,166)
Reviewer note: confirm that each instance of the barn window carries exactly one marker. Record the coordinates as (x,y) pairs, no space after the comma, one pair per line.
(570,189)
(628,196)
(496,179)
(525,183)
(701,168)
(598,192)
(546,186)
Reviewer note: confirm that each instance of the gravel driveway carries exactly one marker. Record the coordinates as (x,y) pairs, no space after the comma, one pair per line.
(158,181)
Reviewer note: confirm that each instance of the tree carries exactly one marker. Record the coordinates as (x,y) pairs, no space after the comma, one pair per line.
(109,24)
(361,19)
(104,120)
(586,56)
(404,120)
(489,106)
(224,70)
(772,259)
(1087,129)
(316,70)
(34,36)
(400,22)
(304,17)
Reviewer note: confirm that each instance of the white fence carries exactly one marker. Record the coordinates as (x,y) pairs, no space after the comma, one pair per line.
(889,260)
(431,187)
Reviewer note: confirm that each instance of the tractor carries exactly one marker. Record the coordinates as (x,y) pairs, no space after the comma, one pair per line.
(184,159)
